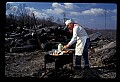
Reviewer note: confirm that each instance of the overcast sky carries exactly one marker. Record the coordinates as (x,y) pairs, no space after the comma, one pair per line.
(89,15)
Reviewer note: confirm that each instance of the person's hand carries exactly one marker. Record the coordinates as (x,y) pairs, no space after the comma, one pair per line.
(66,46)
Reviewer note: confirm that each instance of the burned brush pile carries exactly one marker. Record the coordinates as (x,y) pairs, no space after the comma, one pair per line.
(24,56)
(18,39)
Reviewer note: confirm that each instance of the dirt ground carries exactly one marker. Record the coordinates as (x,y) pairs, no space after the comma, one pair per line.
(32,65)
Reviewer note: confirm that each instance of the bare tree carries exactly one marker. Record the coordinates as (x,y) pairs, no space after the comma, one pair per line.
(22,12)
(59,21)
(50,21)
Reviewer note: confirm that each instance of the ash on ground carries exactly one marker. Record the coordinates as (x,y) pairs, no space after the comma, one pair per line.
(23,58)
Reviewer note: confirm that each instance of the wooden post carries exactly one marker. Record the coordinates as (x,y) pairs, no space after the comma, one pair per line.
(38,38)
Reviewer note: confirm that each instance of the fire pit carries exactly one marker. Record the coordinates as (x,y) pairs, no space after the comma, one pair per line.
(60,58)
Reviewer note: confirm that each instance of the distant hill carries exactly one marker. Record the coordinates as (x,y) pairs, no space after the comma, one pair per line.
(108,33)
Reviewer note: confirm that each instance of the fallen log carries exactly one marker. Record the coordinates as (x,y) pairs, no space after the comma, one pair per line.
(27,48)
(95,36)
(110,45)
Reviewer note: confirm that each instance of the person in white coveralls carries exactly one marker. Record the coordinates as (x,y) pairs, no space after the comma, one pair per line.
(82,40)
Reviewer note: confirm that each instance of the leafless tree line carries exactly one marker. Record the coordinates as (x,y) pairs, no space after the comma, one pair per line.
(21,18)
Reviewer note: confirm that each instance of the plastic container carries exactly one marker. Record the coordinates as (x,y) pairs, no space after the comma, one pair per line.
(60,47)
